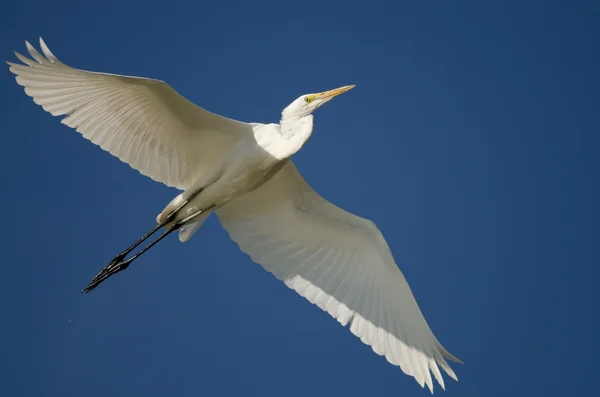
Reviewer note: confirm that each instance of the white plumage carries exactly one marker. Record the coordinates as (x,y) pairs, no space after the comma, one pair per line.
(242,171)
(144,122)
(341,263)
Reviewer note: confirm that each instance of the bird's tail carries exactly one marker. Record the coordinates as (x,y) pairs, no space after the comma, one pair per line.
(187,231)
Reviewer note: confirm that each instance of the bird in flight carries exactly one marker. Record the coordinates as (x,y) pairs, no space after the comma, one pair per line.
(243,172)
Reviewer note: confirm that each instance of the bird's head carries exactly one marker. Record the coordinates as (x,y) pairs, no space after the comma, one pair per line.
(308,103)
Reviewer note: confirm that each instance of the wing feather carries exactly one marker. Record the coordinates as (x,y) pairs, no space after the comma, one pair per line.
(339,262)
(143,122)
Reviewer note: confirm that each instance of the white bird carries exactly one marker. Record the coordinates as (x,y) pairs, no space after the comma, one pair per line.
(243,172)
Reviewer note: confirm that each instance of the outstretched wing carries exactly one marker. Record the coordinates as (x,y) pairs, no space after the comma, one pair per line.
(341,263)
(144,122)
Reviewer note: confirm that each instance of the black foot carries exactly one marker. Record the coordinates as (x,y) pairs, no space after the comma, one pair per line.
(114,267)
(120,263)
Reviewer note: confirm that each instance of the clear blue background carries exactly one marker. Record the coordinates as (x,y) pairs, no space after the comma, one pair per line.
(471,140)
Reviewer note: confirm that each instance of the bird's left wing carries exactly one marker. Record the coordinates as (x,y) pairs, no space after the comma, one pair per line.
(144,122)
(339,262)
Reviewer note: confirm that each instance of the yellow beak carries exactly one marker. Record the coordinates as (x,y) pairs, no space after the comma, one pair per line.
(327,95)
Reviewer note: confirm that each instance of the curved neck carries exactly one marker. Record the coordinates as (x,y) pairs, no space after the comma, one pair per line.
(296,130)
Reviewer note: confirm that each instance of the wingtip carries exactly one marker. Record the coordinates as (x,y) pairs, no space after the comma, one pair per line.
(453,358)
(47,53)
(447,355)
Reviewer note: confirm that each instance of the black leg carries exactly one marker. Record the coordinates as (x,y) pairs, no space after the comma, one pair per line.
(118,264)
(123,254)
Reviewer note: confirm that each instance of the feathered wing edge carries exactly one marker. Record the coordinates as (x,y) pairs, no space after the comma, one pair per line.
(284,226)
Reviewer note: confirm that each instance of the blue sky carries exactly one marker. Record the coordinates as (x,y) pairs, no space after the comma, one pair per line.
(471,140)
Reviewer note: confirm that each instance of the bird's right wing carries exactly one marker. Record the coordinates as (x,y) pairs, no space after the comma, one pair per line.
(341,263)
(144,122)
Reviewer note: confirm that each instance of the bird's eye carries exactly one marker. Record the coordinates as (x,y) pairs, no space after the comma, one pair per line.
(307,99)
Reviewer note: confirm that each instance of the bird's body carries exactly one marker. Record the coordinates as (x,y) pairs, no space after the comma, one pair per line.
(250,163)
(243,169)
(244,173)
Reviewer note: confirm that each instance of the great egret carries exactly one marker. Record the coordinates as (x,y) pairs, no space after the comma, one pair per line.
(243,172)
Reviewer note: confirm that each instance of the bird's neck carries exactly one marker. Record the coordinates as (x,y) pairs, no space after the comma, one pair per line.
(295,131)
